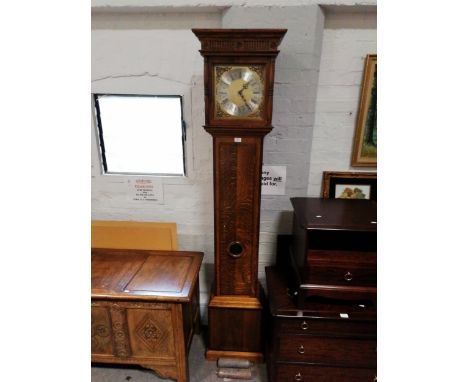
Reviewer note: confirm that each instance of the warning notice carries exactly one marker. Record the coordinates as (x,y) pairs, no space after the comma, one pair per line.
(145,190)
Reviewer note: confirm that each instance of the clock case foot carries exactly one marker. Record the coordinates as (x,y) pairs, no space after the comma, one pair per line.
(236,327)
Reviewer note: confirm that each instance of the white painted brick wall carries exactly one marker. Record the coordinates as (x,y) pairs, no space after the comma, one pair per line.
(174,4)
(347,39)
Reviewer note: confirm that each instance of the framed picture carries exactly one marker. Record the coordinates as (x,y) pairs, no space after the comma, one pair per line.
(365,136)
(349,185)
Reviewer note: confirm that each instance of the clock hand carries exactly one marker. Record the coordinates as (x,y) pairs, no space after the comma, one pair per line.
(242,96)
(240,92)
(244,87)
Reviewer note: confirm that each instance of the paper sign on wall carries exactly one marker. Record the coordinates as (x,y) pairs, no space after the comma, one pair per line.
(145,190)
(273,180)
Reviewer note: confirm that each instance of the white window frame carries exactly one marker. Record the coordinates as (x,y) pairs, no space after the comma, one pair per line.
(101,144)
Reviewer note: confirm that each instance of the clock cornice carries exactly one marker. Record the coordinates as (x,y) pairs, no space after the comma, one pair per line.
(239,42)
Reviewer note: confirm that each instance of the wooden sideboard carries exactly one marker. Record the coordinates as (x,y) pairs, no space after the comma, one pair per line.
(325,341)
(145,308)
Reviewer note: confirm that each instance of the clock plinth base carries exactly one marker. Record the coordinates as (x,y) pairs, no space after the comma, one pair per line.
(235,325)
(213,355)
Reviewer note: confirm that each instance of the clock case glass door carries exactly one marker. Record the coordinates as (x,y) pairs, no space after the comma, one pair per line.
(241,92)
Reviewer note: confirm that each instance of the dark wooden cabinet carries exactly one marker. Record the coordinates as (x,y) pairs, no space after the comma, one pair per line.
(326,340)
(334,248)
(239,66)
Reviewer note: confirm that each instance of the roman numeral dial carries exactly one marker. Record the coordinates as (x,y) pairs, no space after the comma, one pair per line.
(239,90)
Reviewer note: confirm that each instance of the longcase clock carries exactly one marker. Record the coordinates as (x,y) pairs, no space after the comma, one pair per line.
(239,77)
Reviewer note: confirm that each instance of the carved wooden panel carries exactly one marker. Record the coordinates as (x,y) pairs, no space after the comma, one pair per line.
(151,333)
(101,331)
(120,332)
(249,42)
(240,45)
(237,179)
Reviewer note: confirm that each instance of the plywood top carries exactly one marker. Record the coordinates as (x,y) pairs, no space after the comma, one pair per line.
(133,235)
(144,274)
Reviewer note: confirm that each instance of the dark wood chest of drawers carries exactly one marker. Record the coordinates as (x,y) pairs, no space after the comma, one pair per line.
(323,342)
(334,248)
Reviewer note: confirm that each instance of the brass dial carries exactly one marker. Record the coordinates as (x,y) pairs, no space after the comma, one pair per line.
(239,90)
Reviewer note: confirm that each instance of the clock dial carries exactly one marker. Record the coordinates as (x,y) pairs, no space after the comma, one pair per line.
(239,91)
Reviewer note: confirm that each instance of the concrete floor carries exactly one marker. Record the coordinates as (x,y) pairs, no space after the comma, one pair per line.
(200,370)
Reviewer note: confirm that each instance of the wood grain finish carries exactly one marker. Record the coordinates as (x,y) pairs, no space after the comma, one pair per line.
(152,334)
(334,249)
(129,274)
(328,351)
(327,340)
(237,161)
(244,333)
(144,308)
(250,41)
(101,330)
(341,214)
(317,373)
(172,275)
(329,327)
(237,174)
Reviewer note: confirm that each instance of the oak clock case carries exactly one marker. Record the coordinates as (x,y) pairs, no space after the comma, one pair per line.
(239,76)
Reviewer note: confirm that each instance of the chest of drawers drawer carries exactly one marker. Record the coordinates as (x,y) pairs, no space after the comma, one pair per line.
(341,274)
(338,327)
(348,268)
(327,350)
(314,373)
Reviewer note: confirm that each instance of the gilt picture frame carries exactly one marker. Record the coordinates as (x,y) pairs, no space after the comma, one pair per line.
(349,185)
(365,136)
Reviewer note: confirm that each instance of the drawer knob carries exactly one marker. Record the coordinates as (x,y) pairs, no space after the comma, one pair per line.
(304,325)
(301,349)
(298,377)
(348,276)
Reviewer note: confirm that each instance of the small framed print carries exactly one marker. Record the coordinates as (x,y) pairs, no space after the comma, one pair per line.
(349,185)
